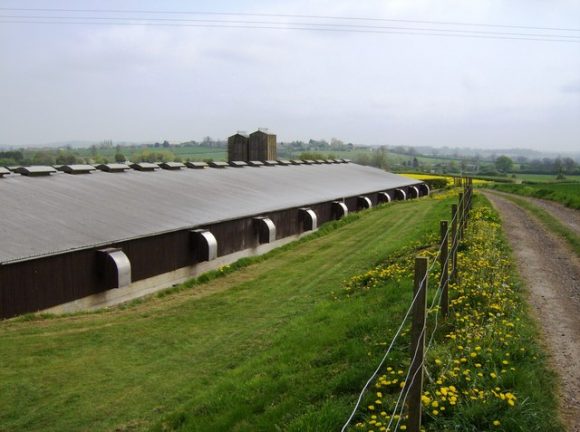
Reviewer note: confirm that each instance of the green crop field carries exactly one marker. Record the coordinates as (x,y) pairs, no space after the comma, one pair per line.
(278,344)
(535,178)
(564,193)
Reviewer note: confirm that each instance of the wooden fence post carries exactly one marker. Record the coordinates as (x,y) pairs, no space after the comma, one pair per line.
(444,260)
(418,330)
(461,214)
(466,205)
(454,243)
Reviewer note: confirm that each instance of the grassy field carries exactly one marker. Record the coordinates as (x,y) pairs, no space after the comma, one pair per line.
(545,178)
(281,344)
(534,178)
(564,193)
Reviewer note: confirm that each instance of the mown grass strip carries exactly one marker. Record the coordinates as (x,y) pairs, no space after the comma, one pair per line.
(267,346)
(549,221)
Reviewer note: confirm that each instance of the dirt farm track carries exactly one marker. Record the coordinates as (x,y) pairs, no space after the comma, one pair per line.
(551,272)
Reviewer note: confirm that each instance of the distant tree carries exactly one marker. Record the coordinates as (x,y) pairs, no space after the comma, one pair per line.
(11,157)
(569,165)
(120,157)
(65,158)
(43,157)
(503,164)
(363,159)
(415,162)
(380,158)
(558,166)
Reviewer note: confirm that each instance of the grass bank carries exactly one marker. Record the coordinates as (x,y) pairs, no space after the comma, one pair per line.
(267,346)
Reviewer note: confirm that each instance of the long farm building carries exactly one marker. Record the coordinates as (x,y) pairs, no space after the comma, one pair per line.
(82,237)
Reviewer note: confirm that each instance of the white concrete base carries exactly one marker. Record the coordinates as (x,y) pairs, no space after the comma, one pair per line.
(157,283)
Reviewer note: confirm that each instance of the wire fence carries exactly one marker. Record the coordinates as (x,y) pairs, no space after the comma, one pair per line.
(446,256)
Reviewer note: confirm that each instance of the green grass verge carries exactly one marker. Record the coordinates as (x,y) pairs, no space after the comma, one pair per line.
(263,347)
(485,369)
(564,193)
(549,221)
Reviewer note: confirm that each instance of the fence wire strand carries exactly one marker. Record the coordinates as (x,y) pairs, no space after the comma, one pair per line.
(400,405)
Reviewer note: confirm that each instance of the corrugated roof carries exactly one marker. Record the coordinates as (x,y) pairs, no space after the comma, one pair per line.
(60,213)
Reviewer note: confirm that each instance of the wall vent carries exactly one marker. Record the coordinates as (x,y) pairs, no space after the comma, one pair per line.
(204,244)
(364,202)
(114,268)
(400,194)
(339,209)
(384,197)
(266,229)
(414,192)
(309,219)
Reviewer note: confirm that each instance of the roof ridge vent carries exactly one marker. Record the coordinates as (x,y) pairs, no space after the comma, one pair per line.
(113,167)
(196,165)
(35,171)
(238,164)
(172,165)
(4,171)
(218,164)
(77,168)
(144,166)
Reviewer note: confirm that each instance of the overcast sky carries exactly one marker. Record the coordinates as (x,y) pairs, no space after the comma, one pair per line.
(150,83)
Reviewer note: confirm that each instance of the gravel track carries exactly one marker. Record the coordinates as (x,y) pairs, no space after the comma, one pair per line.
(551,272)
